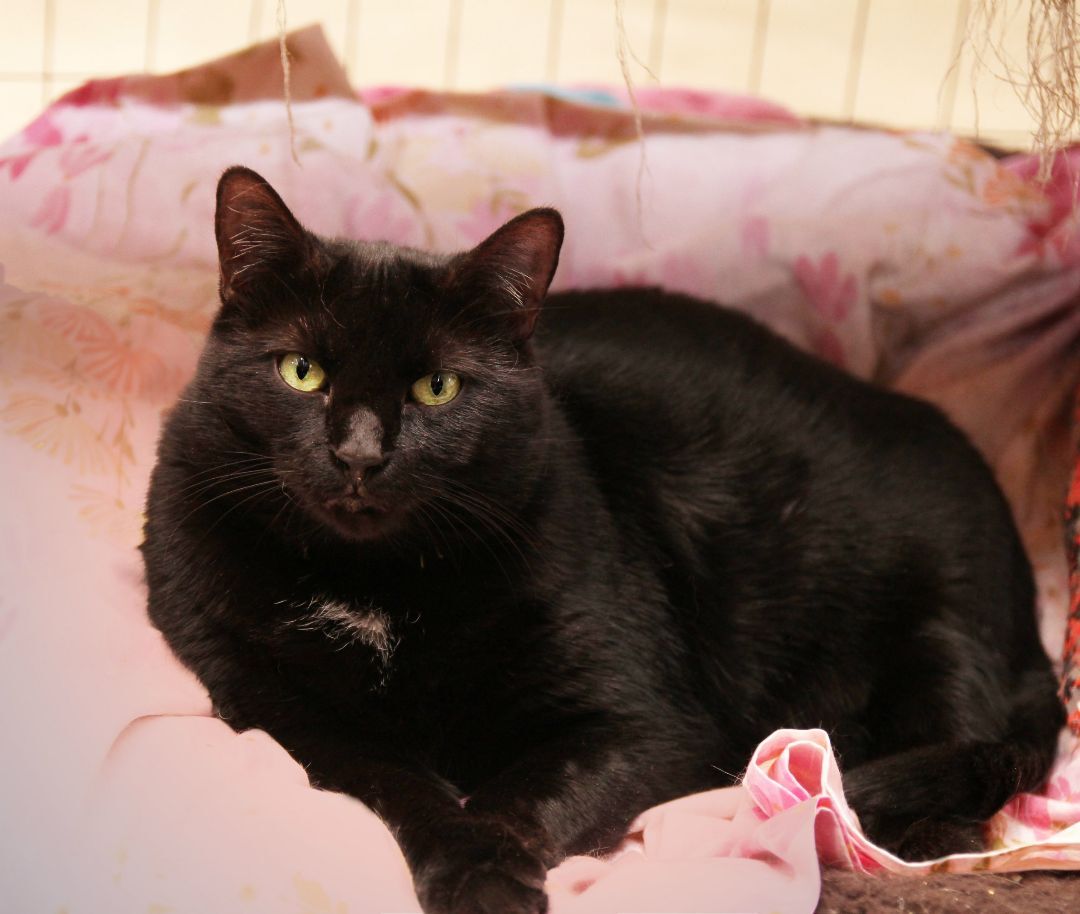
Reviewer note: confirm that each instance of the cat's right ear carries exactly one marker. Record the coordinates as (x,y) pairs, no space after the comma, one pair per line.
(256,232)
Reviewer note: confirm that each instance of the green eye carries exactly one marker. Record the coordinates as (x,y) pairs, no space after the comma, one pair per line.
(437,389)
(300,372)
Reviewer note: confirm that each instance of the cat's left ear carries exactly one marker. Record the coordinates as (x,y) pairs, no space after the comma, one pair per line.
(514,266)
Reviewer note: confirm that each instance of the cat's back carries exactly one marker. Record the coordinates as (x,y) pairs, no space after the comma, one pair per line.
(698,406)
(793,512)
(664,373)
(727,446)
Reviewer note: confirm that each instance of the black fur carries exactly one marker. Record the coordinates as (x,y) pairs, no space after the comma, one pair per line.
(638,541)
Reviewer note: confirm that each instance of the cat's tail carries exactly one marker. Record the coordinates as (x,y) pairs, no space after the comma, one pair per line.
(931,800)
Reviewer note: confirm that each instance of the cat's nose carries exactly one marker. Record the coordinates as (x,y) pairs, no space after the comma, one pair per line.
(358,460)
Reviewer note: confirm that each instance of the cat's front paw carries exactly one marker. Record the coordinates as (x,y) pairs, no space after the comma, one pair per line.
(482,868)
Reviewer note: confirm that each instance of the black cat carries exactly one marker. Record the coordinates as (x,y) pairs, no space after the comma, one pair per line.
(511,588)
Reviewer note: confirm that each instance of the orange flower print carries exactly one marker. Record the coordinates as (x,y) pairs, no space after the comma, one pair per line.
(1003,187)
(58,429)
(123,368)
(108,355)
(963,151)
(28,345)
(194,320)
(78,324)
(963,165)
(109,514)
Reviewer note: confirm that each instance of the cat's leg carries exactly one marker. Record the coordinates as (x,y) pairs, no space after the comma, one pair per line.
(575,793)
(930,800)
(438,838)
(530,804)
(579,792)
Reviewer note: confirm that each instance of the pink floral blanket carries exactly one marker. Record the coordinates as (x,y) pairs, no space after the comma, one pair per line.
(917,260)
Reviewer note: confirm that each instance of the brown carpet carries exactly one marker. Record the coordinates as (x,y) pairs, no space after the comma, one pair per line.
(844,892)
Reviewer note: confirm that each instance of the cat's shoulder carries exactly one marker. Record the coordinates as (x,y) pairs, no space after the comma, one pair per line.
(646,357)
(644,313)
(663,341)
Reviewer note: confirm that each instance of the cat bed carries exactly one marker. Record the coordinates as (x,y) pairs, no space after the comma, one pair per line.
(918,260)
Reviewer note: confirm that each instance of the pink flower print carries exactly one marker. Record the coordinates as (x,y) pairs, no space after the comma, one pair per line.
(1061,241)
(1066,243)
(1053,230)
(723,105)
(680,272)
(95,92)
(53,212)
(485,216)
(675,272)
(17,164)
(755,237)
(80,156)
(831,293)
(827,345)
(631,276)
(381,217)
(378,95)
(42,132)
(1060,788)
(1032,811)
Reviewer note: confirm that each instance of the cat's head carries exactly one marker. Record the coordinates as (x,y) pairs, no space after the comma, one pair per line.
(386,386)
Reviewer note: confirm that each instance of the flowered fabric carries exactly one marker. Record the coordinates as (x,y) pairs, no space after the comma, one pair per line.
(1070,677)
(916,260)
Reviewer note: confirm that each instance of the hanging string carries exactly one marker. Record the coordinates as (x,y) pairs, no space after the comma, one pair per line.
(1045,82)
(624,51)
(1053,62)
(286,74)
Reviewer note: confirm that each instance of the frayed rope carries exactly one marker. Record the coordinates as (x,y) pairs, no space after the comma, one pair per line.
(286,76)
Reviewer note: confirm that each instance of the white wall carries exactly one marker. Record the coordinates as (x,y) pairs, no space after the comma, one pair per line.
(883,61)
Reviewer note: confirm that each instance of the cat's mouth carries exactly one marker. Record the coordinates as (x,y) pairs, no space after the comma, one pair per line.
(358,516)
(355,504)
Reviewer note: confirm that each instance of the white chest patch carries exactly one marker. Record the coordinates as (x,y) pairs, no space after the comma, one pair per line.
(349,625)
